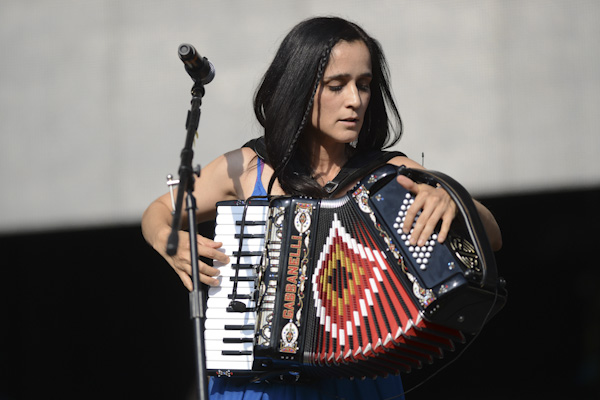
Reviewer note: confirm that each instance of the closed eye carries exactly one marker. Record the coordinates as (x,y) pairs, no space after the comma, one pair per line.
(364,87)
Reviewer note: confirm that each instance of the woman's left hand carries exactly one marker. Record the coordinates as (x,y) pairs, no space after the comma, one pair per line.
(435,205)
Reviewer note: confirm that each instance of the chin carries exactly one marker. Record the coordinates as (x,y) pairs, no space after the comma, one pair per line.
(351,138)
(343,136)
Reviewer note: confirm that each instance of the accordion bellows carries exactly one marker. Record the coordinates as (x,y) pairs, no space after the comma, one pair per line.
(332,287)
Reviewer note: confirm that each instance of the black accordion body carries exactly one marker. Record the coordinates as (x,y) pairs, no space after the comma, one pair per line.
(333,288)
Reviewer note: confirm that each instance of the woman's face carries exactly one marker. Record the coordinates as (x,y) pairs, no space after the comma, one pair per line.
(343,95)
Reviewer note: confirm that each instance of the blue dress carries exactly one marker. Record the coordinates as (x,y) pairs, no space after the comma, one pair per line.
(221,388)
(327,389)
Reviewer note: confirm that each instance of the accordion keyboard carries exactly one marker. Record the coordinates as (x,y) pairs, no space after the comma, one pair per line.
(229,331)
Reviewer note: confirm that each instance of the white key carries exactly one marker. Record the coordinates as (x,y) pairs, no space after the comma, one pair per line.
(252,260)
(239,318)
(222,302)
(224,218)
(219,345)
(229,271)
(219,334)
(225,282)
(217,355)
(229,241)
(219,324)
(220,291)
(248,245)
(232,230)
(241,363)
(250,210)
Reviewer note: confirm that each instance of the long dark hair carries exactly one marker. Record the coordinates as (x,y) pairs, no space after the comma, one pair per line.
(284,99)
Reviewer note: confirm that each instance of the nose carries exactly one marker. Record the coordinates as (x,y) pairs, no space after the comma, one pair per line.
(353,98)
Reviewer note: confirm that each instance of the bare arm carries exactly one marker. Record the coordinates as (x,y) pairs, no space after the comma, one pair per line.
(222,179)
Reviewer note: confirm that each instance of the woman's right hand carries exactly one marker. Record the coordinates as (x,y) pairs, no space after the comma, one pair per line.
(215,183)
(182,264)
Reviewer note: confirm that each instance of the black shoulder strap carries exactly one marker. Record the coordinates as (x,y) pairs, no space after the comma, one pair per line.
(259,147)
(357,167)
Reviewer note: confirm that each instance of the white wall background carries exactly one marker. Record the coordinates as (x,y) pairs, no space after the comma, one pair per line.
(503,95)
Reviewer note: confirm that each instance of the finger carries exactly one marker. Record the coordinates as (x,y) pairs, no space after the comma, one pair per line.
(425,222)
(208,242)
(408,184)
(206,274)
(213,254)
(188,283)
(411,213)
(182,264)
(446,223)
(185,278)
(412,216)
(428,227)
(208,270)
(428,208)
(210,249)
(212,282)
(208,280)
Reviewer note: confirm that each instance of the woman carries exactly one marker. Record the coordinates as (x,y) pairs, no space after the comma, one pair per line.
(324,100)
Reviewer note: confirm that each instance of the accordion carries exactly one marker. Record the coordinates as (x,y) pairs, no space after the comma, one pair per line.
(333,287)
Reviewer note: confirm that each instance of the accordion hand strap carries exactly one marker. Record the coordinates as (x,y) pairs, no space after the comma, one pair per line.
(357,167)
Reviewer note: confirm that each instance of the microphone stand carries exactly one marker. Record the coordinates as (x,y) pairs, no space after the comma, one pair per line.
(197,296)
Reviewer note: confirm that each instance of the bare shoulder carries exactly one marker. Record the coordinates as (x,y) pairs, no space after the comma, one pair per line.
(236,170)
(231,164)
(225,178)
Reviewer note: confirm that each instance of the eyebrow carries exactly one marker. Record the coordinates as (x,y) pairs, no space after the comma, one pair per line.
(341,76)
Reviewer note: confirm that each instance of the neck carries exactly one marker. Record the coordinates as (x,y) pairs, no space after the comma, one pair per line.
(327,161)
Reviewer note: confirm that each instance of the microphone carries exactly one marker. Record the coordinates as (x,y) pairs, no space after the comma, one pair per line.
(198,67)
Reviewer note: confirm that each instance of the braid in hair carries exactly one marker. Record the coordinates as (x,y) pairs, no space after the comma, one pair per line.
(279,172)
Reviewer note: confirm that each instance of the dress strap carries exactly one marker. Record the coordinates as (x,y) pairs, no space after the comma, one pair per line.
(259,189)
